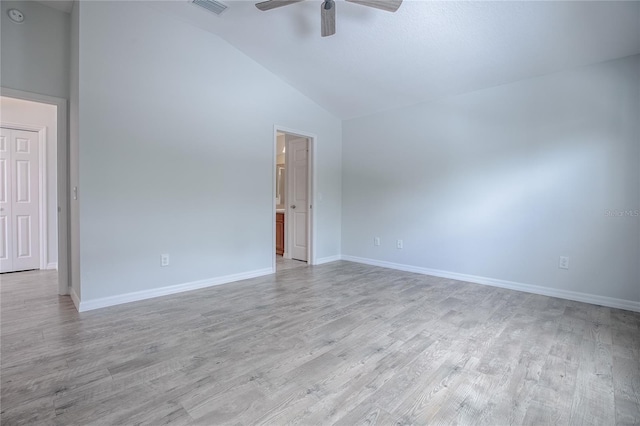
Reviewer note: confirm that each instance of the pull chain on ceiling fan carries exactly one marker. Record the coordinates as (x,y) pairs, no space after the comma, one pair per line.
(328,10)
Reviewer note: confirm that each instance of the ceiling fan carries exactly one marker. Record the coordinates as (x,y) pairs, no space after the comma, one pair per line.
(328,10)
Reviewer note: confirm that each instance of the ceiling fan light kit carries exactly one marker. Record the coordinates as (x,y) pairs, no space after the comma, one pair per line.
(328,10)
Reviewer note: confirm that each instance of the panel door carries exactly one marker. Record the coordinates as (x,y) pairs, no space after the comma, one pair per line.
(21,181)
(297,164)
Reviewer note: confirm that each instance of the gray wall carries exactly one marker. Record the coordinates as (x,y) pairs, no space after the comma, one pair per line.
(35,53)
(500,182)
(176,153)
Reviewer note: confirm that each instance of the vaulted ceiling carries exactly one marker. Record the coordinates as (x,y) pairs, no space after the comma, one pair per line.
(426,50)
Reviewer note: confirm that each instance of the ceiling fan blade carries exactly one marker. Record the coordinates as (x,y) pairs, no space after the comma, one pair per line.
(388,5)
(328,18)
(272,4)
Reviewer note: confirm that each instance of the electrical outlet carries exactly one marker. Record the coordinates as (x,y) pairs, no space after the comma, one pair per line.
(164,260)
(564,262)
(376,241)
(399,244)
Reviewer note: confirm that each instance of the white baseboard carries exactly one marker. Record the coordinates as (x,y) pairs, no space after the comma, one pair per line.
(328,259)
(83,306)
(528,288)
(87,305)
(52,265)
(75,298)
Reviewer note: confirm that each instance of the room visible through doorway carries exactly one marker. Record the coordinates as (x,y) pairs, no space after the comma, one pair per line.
(33,198)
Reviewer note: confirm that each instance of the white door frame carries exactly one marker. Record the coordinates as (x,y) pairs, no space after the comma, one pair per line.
(63,179)
(311,183)
(42,187)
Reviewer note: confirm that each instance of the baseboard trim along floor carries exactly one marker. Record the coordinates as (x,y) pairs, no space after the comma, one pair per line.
(594,299)
(610,302)
(88,305)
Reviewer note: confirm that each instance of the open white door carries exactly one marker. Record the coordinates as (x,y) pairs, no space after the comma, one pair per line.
(19,201)
(298,197)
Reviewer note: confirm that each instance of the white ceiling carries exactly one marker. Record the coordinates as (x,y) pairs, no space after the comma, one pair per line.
(427,49)
(380,60)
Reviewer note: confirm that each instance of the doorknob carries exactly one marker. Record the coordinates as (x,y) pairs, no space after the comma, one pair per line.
(293,206)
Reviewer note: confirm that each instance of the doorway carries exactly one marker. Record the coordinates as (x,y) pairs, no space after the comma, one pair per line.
(293,190)
(36,126)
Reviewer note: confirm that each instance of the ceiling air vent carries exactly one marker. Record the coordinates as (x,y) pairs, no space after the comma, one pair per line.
(211,5)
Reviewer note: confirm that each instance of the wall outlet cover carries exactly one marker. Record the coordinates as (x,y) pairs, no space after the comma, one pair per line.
(563,263)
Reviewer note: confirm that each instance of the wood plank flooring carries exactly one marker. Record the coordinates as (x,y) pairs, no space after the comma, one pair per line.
(340,343)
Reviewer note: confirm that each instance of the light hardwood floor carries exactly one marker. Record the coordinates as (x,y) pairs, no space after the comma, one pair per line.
(338,343)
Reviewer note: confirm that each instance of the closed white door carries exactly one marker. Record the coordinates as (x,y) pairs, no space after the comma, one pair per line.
(19,198)
(298,188)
